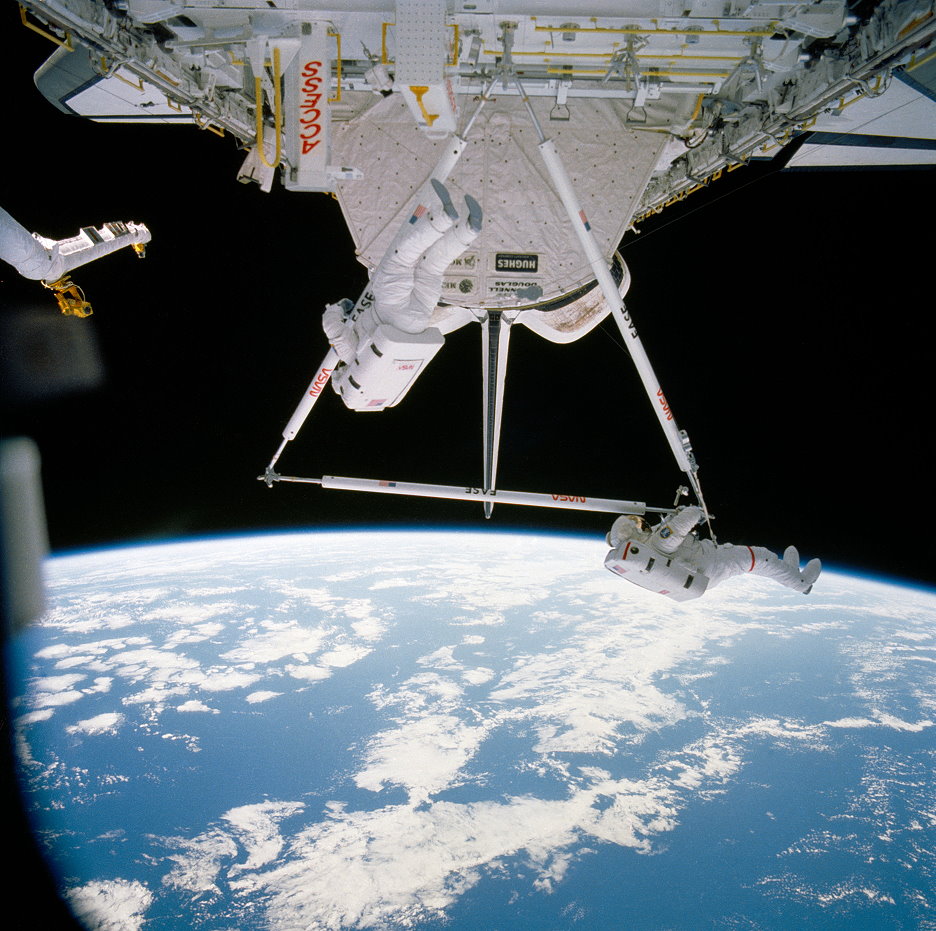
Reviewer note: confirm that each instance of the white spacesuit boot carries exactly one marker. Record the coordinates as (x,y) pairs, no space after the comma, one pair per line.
(766,563)
(811,573)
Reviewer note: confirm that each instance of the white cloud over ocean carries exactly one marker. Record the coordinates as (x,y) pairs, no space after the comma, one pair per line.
(474,713)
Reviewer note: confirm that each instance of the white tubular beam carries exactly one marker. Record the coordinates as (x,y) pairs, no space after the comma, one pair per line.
(612,296)
(311,395)
(536,499)
(91,243)
(450,155)
(452,150)
(495,340)
(22,250)
(47,259)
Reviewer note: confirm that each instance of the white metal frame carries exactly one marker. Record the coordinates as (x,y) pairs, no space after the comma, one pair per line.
(495,335)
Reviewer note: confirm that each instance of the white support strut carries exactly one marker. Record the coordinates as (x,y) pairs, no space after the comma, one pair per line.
(452,151)
(611,294)
(38,258)
(453,492)
(304,408)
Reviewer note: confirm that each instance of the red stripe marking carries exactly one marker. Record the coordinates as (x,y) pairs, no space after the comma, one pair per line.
(752,559)
(626,548)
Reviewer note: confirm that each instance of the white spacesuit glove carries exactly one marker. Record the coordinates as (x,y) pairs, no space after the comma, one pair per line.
(339,331)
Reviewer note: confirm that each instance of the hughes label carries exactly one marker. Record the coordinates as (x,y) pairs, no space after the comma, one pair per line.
(516,262)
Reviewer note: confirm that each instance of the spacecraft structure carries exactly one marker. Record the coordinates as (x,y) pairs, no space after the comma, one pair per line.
(51,261)
(569,126)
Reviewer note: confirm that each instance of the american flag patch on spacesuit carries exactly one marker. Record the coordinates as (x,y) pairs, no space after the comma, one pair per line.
(417,213)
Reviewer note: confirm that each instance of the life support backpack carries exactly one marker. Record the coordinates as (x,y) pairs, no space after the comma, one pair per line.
(386,367)
(657,572)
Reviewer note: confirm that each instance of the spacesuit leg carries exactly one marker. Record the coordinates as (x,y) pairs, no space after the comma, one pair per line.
(727,560)
(427,280)
(393,282)
(768,564)
(393,279)
(417,236)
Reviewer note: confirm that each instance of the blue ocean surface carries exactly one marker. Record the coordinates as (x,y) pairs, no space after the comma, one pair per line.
(473,732)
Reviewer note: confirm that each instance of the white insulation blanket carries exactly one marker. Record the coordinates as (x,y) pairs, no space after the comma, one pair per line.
(527,241)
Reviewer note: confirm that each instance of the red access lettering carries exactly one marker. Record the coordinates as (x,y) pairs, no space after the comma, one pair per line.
(321,380)
(310,113)
(664,404)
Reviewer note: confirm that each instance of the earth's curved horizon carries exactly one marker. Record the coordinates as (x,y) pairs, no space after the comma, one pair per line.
(372,728)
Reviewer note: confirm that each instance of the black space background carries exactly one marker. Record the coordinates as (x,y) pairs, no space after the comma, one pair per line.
(789,317)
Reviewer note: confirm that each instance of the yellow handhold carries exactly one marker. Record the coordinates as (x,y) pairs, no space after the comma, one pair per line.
(67,43)
(420,90)
(277,113)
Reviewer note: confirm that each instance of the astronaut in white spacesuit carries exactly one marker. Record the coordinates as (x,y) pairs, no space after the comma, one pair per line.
(670,558)
(407,283)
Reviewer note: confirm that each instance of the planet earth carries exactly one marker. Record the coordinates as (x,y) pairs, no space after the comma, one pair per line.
(428,729)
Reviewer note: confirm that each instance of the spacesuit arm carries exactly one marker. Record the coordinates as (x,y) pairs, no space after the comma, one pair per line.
(622,530)
(339,331)
(668,536)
